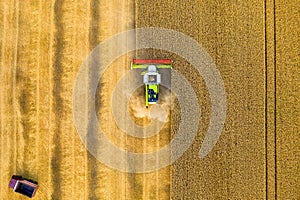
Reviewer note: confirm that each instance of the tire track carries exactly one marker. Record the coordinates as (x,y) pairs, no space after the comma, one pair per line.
(57,100)
(91,136)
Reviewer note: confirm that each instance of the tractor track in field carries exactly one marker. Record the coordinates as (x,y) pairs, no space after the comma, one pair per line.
(57,100)
(93,42)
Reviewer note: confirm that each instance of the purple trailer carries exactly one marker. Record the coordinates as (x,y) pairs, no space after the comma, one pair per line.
(23,186)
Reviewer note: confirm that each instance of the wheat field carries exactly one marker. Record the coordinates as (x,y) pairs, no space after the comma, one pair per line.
(255,45)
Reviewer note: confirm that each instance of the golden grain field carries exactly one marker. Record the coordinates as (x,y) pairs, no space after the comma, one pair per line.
(255,45)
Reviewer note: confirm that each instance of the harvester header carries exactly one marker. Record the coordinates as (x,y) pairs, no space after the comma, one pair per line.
(144,63)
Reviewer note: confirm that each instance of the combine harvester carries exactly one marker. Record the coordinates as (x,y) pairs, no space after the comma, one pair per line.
(23,186)
(152,77)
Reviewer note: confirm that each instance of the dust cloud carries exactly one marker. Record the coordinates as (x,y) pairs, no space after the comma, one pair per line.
(160,111)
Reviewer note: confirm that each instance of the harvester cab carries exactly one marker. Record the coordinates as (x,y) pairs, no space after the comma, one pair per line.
(151,76)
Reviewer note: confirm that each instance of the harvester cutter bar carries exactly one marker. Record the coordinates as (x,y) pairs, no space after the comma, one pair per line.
(152,61)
